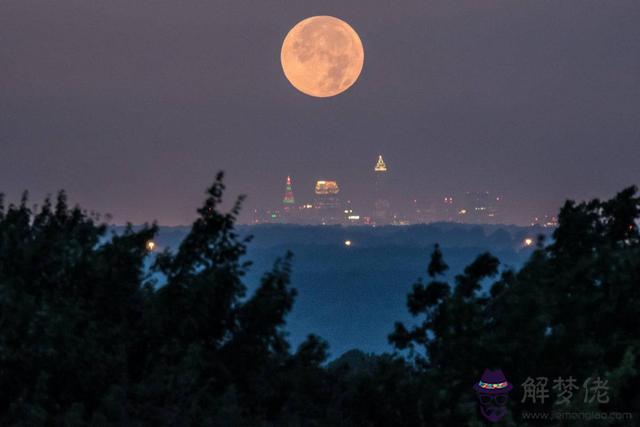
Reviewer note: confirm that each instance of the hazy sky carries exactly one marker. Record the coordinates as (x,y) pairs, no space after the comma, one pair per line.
(132,106)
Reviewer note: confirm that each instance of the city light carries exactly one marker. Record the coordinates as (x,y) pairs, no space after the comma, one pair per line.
(328,207)
(327,187)
(528,241)
(347,243)
(380,165)
(151,245)
(288,198)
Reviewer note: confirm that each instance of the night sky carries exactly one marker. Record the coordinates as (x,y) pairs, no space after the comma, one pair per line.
(132,106)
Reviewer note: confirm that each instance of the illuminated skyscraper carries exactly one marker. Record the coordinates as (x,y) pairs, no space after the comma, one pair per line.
(288,199)
(381,204)
(327,187)
(380,165)
(327,202)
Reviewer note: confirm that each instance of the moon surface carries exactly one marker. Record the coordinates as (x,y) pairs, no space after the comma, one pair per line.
(322,56)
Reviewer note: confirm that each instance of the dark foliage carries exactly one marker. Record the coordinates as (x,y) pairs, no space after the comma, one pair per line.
(572,310)
(87,339)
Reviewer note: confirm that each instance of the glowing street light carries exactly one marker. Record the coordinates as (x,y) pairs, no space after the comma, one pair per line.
(151,245)
(347,243)
(528,241)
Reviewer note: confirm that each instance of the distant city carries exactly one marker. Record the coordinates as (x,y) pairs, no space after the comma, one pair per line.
(328,207)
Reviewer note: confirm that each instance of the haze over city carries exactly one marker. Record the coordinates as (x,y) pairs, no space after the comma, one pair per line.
(133,106)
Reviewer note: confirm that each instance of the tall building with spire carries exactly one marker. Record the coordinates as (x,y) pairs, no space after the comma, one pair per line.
(380,165)
(288,200)
(381,205)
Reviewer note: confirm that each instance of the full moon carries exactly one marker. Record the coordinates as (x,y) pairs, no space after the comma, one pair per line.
(322,56)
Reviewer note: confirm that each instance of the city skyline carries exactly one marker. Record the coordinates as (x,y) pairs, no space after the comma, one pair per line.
(376,207)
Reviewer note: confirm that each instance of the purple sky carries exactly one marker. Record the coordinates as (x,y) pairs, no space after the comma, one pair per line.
(132,106)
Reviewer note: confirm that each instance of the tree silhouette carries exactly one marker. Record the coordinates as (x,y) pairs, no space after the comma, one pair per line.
(89,337)
(572,310)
